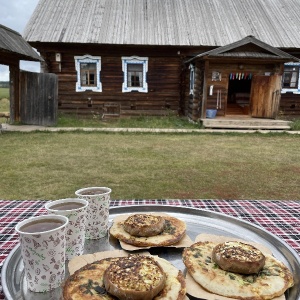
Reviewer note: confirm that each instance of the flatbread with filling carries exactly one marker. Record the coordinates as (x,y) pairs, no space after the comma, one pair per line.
(87,282)
(174,230)
(272,281)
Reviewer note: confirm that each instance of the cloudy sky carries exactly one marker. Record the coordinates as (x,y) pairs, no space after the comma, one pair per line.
(15,14)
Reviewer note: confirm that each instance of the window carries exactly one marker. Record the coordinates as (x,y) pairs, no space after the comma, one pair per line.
(88,73)
(290,78)
(135,75)
(135,69)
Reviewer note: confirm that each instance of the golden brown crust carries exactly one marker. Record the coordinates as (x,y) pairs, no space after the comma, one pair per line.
(88,282)
(175,287)
(238,257)
(272,281)
(134,277)
(173,232)
(181,279)
(181,294)
(144,225)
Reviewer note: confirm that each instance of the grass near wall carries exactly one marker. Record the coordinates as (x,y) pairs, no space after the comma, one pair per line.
(43,165)
(168,121)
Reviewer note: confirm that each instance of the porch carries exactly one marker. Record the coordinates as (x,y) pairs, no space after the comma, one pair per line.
(244,122)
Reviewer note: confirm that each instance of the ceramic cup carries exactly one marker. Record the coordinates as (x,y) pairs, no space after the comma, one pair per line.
(97,212)
(43,248)
(75,210)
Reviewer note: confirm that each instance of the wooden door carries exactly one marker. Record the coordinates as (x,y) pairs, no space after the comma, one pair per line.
(265,96)
(38,100)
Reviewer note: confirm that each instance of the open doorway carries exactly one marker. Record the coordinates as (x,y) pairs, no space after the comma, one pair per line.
(238,99)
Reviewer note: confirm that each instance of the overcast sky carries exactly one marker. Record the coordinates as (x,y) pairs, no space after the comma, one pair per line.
(15,14)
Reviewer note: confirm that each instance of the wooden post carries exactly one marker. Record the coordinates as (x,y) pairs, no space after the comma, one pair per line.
(14,93)
(204,97)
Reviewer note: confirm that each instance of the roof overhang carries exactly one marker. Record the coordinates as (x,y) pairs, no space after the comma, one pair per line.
(248,48)
(14,47)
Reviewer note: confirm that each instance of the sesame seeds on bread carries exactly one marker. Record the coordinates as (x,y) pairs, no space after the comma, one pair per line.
(173,231)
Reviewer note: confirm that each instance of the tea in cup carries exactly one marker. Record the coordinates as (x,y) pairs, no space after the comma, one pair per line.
(75,210)
(97,212)
(43,248)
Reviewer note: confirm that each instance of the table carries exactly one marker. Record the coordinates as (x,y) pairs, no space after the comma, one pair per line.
(281,218)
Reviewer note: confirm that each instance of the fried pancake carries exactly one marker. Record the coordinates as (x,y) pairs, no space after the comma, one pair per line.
(173,232)
(144,225)
(272,281)
(134,277)
(238,257)
(88,282)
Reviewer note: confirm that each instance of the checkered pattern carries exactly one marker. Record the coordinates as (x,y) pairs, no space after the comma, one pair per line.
(281,218)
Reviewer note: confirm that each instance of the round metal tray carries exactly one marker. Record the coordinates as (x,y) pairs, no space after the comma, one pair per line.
(197,221)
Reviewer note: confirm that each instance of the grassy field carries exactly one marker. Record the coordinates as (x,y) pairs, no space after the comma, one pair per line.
(45,165)
(168,121)
(4,93)
(4,102)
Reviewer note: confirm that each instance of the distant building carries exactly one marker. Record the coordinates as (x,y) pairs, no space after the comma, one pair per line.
(152,57)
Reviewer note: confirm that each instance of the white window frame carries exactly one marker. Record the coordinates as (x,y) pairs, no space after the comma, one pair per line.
(192,78)
(88,59)
(135,60)
(293,90)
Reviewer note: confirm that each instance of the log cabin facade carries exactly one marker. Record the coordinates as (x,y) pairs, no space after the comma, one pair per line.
(243,78)
(153,57)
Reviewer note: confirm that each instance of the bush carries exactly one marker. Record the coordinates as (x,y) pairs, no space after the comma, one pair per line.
(295,124)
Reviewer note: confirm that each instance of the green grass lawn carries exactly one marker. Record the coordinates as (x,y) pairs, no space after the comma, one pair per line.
(168,121)
(4,93)
(4,105)
(48,165)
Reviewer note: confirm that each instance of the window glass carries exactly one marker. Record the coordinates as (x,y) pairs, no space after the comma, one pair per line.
(290,77)
(135,74)
(88,73)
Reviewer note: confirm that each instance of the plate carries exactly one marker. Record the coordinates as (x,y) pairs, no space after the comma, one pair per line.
(197,221)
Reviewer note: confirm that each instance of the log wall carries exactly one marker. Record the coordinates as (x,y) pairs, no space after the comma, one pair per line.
(194,100)
(290,105)
(167,78)
(219,97)
(163,78)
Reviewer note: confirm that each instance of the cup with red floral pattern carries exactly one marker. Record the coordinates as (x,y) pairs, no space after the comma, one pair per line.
(43,248)
(97,212)
(75,210)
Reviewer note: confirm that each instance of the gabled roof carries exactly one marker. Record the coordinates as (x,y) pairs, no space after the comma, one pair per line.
(210,23)
(248,47)
(13,44)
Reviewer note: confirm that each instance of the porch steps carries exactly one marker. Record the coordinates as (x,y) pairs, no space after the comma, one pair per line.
(245,123)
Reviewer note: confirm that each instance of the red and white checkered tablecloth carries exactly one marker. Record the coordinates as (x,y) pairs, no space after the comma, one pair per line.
(281,218)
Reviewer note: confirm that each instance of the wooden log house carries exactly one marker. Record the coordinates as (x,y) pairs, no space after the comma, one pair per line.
(243,78)
(155,57)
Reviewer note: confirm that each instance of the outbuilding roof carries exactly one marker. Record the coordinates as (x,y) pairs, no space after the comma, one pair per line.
(248,47)
(13,44)
(166,22)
